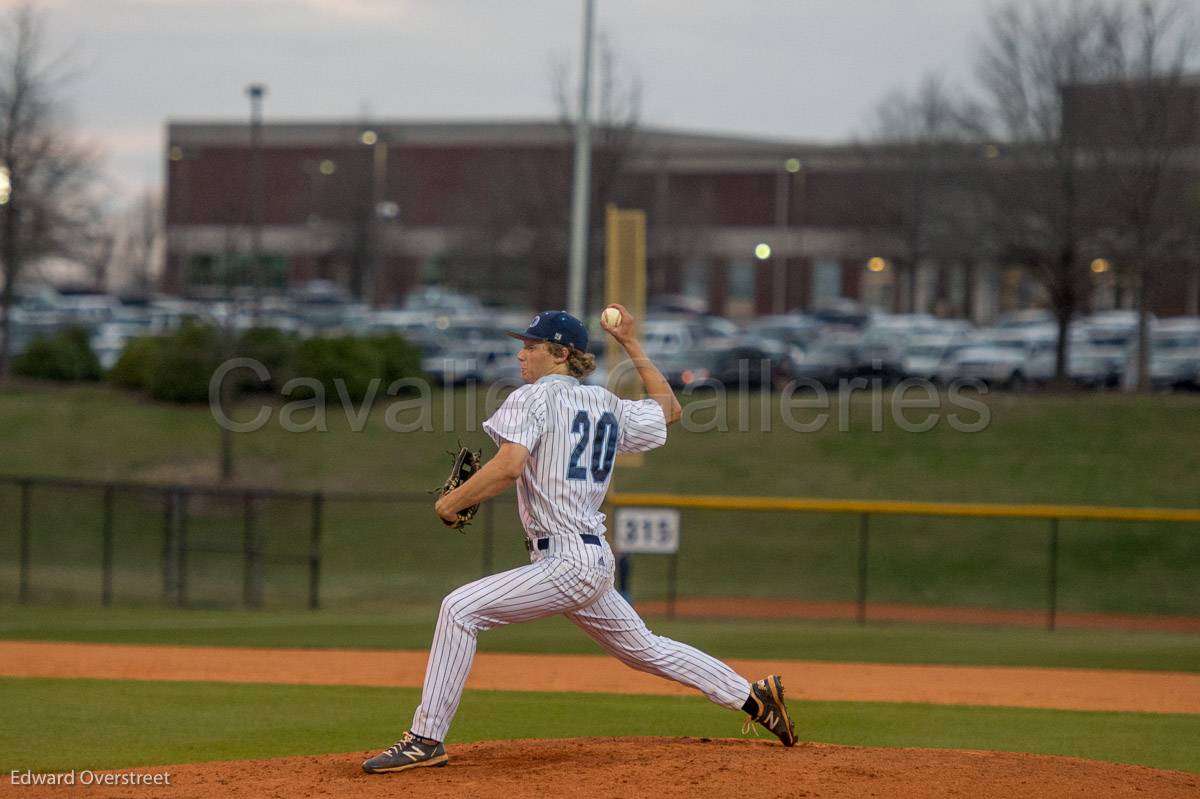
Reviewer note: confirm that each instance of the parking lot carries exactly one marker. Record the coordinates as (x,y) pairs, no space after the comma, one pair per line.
(462,341)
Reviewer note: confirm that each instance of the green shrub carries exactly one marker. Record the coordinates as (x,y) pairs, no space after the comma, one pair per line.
(272,348)
(353,360)
(133,368)
(184,364)
(64,356)
(397,358)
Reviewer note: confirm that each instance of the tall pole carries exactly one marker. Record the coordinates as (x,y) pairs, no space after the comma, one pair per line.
(255,92)
(779,279)
(378,192)
(583,171)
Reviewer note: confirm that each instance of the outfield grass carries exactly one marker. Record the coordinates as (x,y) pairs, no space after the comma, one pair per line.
(829,641)
(151,723)
(1097,448)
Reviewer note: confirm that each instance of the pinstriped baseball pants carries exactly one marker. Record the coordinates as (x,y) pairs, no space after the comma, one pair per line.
(574,579)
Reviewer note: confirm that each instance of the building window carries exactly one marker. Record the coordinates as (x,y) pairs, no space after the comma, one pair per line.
(236,271)
(827,280)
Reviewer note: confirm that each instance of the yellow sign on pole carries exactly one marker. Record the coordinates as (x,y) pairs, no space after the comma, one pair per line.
(625,283)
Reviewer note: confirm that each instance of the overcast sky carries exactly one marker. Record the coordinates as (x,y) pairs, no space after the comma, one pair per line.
(797,69)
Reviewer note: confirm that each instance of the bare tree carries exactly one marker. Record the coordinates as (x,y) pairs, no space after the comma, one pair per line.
(918,146)
(144,232)
(614,140)
(1144,119)
(43,168)
(93,238)
(1033,49)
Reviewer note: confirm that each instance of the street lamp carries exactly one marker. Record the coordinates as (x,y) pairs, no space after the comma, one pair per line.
(762,251)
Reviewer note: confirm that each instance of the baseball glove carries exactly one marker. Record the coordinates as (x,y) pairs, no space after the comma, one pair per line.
(466,463)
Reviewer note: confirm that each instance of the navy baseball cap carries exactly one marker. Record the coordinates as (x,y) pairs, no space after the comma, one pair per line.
(558,327)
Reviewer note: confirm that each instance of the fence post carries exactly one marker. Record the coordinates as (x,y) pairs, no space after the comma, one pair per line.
(26,543)
(489,520)
(106,548)
(182,552)
(1052,587)
(672,583)
(314,554)
(864,542)
(249,554)
(168,535)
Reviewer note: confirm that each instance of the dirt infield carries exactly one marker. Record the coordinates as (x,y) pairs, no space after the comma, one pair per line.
(743,608)
(1065,689)
(661,767)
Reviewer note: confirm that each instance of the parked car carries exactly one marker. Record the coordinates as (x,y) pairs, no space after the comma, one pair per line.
(794,330)
(842,315)
(110,338)
(438,301)
(925,356)
(752,362)
(1098,356)
(1030,319)
(991,362)
(473,362)
(880,353)
(830,360)
(1175,353)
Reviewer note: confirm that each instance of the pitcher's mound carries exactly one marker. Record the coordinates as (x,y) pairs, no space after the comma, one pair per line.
(599,768)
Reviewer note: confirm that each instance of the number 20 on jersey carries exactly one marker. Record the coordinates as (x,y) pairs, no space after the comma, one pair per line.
(603,447)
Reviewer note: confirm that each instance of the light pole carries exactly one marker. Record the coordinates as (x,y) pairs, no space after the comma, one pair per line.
(577,272)
(783,197)
(256,91)
(380,210)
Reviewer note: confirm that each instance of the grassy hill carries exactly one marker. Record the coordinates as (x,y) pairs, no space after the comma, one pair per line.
(1108,449)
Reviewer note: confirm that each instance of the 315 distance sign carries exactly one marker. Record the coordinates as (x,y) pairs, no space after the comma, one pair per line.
(647,530)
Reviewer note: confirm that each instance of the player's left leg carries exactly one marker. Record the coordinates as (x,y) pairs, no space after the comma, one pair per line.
(613,623)
(522,594)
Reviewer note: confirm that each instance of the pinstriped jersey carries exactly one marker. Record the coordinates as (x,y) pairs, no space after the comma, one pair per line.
(573,433)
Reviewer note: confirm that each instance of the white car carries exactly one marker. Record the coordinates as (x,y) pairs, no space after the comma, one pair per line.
(1175,353)
(1008,359)
(478,362)
(924,356)
(110,338)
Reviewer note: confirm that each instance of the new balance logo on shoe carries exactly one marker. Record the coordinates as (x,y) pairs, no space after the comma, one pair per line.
(413,754)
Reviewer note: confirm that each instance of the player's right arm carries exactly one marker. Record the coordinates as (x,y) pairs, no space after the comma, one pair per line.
(657,387)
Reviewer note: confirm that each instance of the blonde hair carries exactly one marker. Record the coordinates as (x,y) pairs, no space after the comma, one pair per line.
(579,363)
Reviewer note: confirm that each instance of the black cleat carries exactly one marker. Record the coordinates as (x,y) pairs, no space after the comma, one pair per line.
(771,712)
(410,751)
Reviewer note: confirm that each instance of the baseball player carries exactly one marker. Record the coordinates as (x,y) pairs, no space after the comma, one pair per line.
(557,441)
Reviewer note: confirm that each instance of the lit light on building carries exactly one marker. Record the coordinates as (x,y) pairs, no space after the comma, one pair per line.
(5,185)
(762,251)
(1100,266)
(793,165)
(991,151)
(369,137)
(176,153)
(327,167)
(877,264)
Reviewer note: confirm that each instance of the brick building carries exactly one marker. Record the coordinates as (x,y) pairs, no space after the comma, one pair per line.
(483,207)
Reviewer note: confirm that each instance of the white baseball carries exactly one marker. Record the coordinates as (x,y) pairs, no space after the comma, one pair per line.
(611,317)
